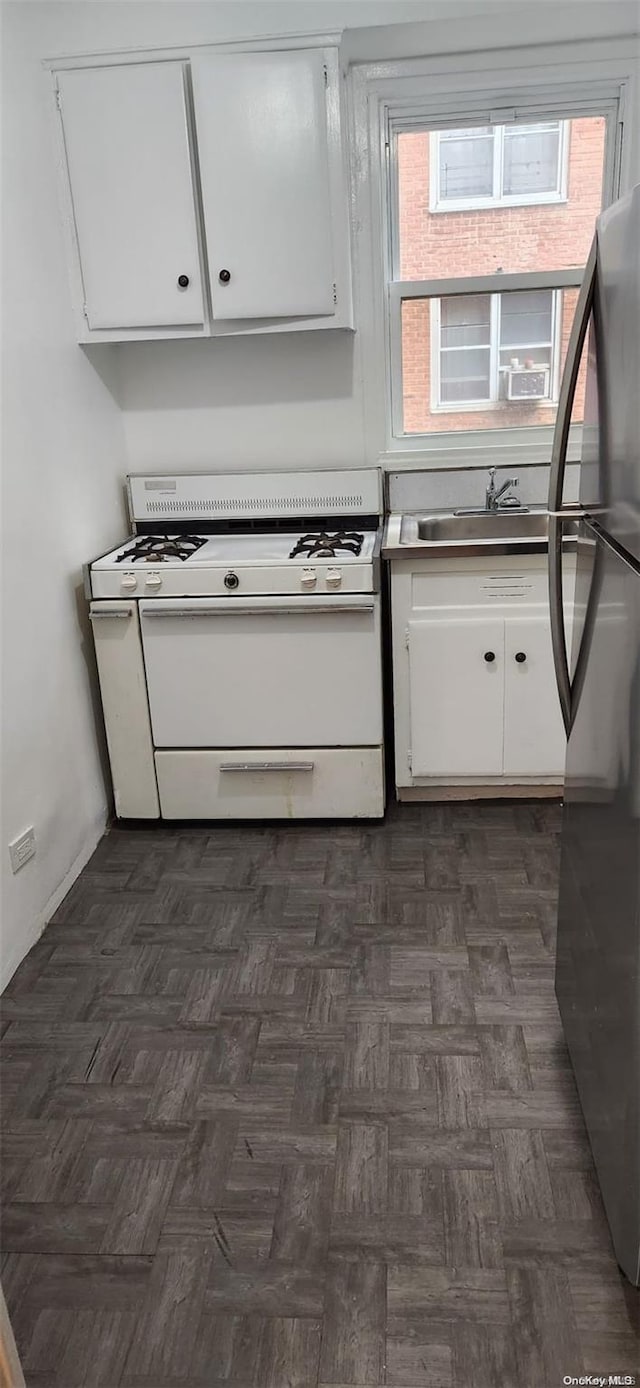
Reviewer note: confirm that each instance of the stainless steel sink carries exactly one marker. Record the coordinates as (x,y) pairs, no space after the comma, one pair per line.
(445,534)
(487,525)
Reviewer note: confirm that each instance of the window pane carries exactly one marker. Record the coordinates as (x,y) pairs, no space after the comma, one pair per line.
(434,244)
(465,320)
(465,375)
(526,356)
(531,158)
(526,318)
(466,165)
(448,389)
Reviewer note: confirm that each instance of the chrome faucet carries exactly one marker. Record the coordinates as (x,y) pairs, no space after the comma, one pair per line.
(493,495)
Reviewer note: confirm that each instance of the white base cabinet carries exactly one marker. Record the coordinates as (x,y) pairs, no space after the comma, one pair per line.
(475,700)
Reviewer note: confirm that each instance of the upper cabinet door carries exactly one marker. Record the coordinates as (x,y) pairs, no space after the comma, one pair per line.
(261,121)
(127,150)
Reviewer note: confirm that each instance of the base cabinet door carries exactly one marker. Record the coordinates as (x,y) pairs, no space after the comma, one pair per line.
(456,693)
(534,737)
(126,146)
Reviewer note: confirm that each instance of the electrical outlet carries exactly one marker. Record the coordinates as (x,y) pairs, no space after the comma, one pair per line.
(22,849)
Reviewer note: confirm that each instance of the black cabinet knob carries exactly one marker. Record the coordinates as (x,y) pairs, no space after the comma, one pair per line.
(489,656)
(224,276)
(183,281)
(520,657)
(231,580)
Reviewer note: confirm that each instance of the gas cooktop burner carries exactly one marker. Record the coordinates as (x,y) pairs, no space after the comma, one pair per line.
(324,546)
(159,549)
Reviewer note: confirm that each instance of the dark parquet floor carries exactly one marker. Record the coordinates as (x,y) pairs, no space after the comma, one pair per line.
(289,1106)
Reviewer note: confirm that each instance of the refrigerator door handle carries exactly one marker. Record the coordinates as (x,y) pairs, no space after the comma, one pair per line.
(556,484)
(558,633)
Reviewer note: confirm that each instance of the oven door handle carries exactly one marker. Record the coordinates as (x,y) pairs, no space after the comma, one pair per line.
(230,607)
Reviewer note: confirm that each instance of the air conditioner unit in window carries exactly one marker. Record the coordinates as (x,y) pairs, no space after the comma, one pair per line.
(527,382)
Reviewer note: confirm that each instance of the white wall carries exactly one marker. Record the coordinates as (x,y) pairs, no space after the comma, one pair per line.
(76,421)
(63,457)
(298,399)
(63,446)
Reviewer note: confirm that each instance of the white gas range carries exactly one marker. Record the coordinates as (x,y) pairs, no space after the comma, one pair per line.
(237,636)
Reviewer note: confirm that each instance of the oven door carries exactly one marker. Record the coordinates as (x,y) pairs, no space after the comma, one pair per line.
(264,672)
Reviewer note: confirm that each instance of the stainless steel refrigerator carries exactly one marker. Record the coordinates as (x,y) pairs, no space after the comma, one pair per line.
(598,950)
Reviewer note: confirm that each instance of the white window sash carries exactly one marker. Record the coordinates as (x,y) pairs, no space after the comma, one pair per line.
(528,345)
(494,379)
(494,347)
(559,193)
(435,328)
(556,330)
(438,406)
(439,204)
(485,284)
(498,164)
(498,198)
(496,285)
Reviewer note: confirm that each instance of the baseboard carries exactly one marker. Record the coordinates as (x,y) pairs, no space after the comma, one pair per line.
(41,920)
(537,791)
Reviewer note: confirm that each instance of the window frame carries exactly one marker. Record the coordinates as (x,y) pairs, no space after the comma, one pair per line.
(497,199)
(414,94)
(494,401)
(600,72)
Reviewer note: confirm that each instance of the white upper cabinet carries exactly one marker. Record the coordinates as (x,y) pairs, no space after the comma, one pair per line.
(126,142)
(264,168)
(206,194)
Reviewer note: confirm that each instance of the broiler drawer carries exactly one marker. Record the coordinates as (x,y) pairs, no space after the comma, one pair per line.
(307,783)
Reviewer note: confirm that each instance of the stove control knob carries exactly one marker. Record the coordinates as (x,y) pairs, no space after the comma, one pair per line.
(334,578)
(153,581)
(309,578)
(129,582)
(231,580)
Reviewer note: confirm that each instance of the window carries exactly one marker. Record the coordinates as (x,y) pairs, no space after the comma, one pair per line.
(498,166)
(480,304)
(465,349)
(491,347)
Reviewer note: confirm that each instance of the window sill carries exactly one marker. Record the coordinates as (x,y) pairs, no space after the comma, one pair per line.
(487,406)
(472,450)
(498,204)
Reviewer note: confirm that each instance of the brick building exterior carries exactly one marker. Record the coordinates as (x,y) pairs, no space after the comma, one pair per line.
(538,236)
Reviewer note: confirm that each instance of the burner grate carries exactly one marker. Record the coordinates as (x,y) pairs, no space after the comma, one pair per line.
(324,546)
(159,549)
